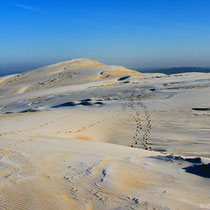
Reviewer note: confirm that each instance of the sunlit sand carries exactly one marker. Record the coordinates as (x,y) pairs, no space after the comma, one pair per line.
(85,135)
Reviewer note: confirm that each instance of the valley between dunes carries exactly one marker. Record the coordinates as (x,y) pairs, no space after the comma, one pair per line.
(84,135)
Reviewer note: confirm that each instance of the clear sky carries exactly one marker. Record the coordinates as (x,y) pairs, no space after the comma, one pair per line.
(134,33)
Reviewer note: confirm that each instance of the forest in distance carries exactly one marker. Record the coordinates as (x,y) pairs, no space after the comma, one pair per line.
(175,70)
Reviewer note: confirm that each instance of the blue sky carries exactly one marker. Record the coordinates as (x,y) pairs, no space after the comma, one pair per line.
(134,33)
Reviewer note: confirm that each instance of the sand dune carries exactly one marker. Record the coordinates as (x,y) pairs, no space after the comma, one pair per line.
(85,135)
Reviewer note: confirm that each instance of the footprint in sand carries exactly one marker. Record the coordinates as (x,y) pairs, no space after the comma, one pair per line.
(137,107)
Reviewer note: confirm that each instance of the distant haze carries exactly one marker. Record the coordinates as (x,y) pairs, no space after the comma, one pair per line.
(20,68)
(6,69)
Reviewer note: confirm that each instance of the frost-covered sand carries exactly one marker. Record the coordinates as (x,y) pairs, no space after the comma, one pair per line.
(84,135)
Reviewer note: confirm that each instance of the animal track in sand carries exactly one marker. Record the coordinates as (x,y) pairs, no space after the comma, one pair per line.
(39,126)
(55,121)
(80,172)
(132,106)
(137,107)
(34,128)
(93,124)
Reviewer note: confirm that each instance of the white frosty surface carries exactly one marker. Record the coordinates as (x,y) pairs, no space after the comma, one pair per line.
(80,156)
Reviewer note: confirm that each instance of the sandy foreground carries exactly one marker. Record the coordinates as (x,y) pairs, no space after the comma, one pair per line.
(84,135)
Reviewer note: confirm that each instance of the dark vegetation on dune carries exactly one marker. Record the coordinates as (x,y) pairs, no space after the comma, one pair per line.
(28,110)
(152,89)
(65,105)
(201,109)
(123,78)
(85,102)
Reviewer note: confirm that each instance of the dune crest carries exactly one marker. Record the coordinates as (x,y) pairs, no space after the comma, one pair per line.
(72,72)
(80,63)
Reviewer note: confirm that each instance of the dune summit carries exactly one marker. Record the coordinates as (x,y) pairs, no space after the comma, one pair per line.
(84,135)
(72,72)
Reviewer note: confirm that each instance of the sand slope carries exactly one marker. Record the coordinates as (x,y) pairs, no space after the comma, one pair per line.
(85,135)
